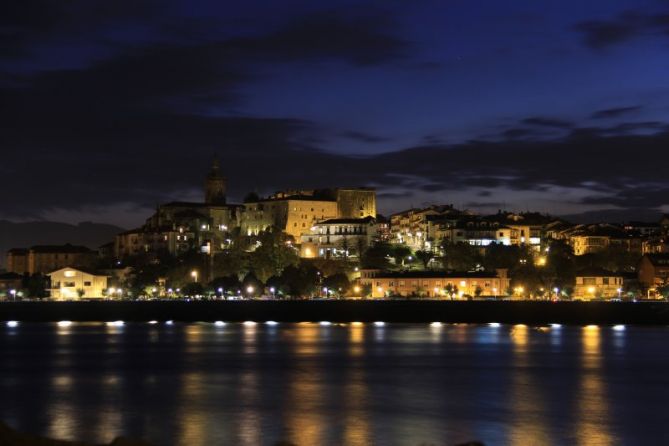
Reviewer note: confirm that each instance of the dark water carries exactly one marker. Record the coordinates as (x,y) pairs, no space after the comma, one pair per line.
(310,384)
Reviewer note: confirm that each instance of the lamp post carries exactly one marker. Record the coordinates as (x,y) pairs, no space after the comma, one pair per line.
(13,293)
(193,274)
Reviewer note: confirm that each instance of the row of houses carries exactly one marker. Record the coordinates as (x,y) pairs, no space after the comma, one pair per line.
(592,283)
(589,284)
(429,228)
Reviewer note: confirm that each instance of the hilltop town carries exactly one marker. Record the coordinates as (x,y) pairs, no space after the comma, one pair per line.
(331,243)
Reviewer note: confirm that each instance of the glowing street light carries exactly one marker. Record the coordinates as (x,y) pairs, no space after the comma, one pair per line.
(193,274)
(250,290)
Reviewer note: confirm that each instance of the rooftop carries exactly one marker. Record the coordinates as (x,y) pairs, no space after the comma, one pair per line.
(67,248)
(347,221)
(594,271)
(436,274)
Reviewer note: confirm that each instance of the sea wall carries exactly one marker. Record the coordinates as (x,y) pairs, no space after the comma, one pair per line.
(642,313)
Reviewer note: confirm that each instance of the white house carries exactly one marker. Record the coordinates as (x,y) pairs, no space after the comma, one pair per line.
(73,284)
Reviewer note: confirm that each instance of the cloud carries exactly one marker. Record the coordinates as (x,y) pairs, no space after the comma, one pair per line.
(629,25)
(361,40)
(615,112)
(485,204)
(364,137)
(140,121)
(547,122)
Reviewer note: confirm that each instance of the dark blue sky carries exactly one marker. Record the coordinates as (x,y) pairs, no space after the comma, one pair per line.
(107,108)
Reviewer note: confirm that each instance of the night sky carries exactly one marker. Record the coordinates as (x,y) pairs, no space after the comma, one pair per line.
(108,108)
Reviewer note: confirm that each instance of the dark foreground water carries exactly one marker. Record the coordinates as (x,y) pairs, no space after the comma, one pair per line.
(313,384)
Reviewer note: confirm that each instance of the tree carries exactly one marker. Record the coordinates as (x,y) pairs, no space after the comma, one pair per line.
(451,290)
(81,292)
(400,253)
(193,289)
(337,283)
(376,256)
(528,277)
(229,284)
(300,281)
(425,257)
(478,291)
(461,256)
(35,285)
(497,255)
(272,254)
(560,267)
(251,286)
(232,262)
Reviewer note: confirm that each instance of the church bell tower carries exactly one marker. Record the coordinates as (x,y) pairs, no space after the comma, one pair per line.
(215,186)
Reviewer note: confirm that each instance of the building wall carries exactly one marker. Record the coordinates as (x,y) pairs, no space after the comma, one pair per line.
(597,287)
(303,214)
(324,239)
(356,203)
(651,275)
(434,286)
(17,262)
(585,244)
(65,283)
(45,262)
(295,217)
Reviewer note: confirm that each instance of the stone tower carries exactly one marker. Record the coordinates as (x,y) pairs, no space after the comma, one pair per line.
(215,186)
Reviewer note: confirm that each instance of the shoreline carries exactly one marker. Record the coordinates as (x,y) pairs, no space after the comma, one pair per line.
(391,311)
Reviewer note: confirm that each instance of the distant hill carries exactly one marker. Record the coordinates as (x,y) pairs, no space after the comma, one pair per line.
(25,235)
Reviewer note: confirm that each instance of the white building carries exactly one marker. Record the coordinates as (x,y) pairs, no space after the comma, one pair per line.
(73,284)
(338,237)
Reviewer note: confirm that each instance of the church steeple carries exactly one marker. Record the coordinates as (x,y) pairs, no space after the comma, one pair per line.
(215,185)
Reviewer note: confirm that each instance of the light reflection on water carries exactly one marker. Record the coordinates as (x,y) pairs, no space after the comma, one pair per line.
(351,384)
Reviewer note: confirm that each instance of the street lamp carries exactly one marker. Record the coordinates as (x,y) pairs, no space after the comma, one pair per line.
(13,293)
(273,291)
(193,274)
(249,290)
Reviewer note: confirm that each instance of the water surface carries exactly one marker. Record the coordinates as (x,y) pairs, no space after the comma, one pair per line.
(354,384)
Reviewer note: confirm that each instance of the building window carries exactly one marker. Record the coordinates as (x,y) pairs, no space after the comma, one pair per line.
(87,283)
(605,280)
(68,284)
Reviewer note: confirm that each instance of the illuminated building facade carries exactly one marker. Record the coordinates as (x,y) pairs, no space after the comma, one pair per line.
(436,284)
(597,283)
(296,212)
(338,237)
(74,284)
